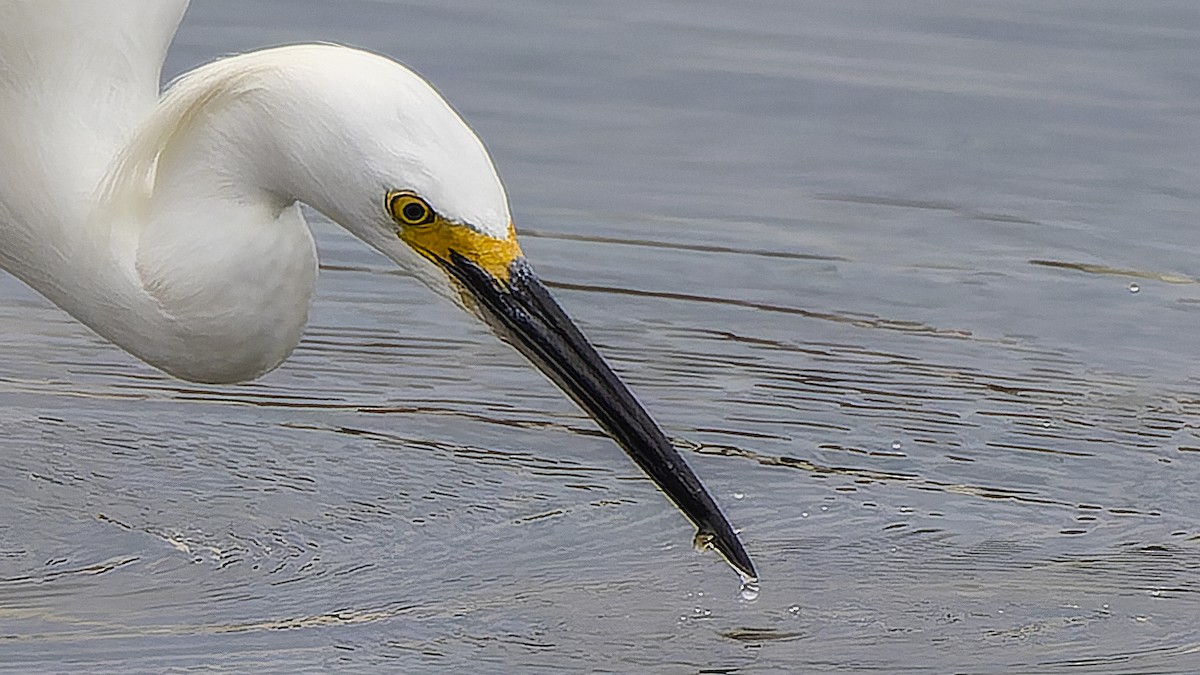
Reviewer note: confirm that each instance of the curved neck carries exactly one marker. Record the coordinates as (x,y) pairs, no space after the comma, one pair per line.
(66,106)
(190,252)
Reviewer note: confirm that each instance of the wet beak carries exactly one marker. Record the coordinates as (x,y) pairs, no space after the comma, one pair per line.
(523,313)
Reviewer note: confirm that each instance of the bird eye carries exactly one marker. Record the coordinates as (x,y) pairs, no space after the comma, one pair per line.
(409,209)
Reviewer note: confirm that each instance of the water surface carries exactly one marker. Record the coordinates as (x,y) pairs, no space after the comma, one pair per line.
(915,285)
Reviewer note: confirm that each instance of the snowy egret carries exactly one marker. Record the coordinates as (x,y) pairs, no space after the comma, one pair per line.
(171,226)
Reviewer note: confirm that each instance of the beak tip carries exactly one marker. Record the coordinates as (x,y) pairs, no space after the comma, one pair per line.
(730,547)
(735,554)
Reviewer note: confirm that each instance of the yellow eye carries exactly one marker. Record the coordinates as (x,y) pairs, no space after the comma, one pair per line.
(409,209)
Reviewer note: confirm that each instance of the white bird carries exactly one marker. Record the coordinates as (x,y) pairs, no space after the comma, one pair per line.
(171,226)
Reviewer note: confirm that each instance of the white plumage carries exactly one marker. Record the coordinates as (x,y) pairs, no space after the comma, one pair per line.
(172,226)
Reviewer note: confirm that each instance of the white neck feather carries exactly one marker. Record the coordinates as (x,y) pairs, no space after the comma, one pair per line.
(186,250)
(171,227)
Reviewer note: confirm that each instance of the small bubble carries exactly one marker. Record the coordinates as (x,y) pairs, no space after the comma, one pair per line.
(1134,288)
(1104,606)
(1156,593)
(701,612)
(824,508)
(804,514)
(896,445)
(794,610)
(738,495)
(1141,619)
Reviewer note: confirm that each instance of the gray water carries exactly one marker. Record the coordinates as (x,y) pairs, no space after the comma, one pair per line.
(913,283)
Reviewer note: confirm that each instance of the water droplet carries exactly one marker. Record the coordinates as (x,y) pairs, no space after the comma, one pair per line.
(1134,288)
(794,610)
(824,508)
(1104,606)
(896,445)
(1046,424)
(701,612)
(1141,619)
(804,514)
(749,591)
(738,495)
(1156,593)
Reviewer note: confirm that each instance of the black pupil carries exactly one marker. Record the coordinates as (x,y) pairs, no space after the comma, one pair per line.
(414,212)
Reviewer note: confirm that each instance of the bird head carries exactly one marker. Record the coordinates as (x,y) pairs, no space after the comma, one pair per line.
(401,170)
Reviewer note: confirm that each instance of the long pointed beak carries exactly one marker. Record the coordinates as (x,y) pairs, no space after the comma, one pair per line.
(523,313)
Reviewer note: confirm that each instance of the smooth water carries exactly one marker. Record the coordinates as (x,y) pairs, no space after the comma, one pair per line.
(870,263)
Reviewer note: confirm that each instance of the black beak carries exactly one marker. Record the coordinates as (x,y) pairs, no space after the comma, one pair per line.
(523,313)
